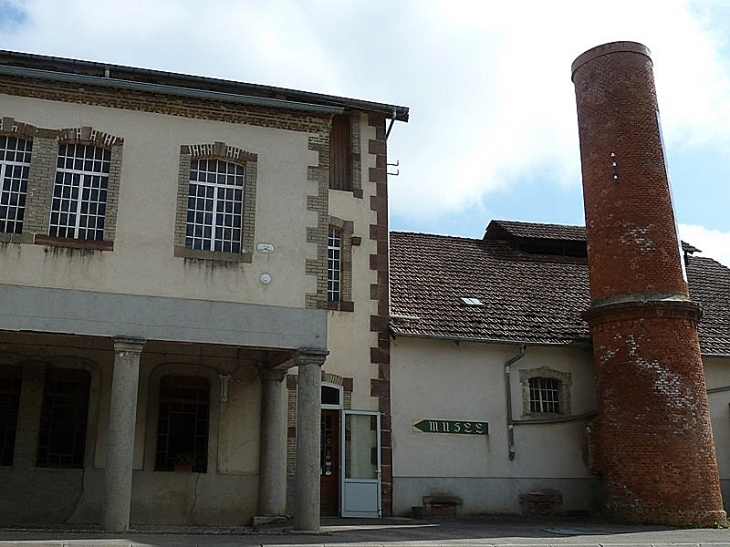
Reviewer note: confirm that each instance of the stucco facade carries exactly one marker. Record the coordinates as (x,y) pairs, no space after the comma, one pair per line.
(181,320)
(439,380)
(493,372)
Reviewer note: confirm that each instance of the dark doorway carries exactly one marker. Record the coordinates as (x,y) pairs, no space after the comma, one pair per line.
(330,463)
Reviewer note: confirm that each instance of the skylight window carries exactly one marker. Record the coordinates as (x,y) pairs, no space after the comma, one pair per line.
(471,301)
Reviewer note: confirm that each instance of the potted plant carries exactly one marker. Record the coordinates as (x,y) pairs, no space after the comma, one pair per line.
(184,462)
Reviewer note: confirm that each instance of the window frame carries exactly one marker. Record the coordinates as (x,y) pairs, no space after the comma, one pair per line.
(12,382)
(82,184)
(78,376)
(334,264)
(347,240)
(564,381)
(217,151)
(42,177)
(22,180)
(544,395)
(218,194)
(200,455)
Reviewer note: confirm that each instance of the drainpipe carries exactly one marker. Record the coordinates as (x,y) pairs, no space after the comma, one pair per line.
(508,392)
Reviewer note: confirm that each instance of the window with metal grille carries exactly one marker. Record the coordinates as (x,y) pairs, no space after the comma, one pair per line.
(182,425)
(215,205)
(545,395)
(14,167)
(64,414)
(334,264)
(10,380)
(78,207)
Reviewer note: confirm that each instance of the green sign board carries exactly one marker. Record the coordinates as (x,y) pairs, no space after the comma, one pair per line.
(454,427)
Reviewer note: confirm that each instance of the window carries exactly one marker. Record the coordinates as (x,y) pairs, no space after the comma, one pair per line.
(340,153)
(216,203)
(215,206)
(78,205)
(182,425)
(545,391)
(10,379)
(334,264)
(544,395)
(62,437)
(14,166)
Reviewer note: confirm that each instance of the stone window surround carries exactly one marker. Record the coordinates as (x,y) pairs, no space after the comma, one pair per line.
(564,379)
(41,179)
(217,151)
(345,228)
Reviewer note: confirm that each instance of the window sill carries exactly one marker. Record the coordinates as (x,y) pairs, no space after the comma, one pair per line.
(341,305)
(16,238)
(540,416)
(217,256)
(86,244)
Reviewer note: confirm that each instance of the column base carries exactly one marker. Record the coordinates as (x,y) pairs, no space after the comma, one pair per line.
(270,524)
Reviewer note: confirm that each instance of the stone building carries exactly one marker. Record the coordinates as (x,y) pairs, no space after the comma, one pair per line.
(183,263)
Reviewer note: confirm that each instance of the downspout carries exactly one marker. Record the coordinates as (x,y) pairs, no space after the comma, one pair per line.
(508,391)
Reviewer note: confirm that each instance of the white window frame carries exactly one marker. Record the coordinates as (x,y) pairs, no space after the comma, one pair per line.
(334,264)
(563,384)
(216,240)
(90,175)
(10,193)
(544,395)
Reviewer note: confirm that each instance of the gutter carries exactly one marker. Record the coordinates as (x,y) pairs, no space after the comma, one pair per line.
(279,95)
(580,344)
(178,91)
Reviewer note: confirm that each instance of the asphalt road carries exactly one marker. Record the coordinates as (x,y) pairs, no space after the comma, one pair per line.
(487,531)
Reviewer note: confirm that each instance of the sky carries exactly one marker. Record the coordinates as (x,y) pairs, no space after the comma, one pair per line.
(492,131)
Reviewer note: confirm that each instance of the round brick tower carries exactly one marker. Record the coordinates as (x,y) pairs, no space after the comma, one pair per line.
(653,436)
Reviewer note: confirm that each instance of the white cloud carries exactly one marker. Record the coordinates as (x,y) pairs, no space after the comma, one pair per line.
(488,83)
(518,121)
(713,243)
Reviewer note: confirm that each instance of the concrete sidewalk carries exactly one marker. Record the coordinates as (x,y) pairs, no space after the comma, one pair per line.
(486,531)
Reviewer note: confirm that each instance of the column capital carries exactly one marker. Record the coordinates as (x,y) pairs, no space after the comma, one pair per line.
(134,345)
(310,356)
(276,374)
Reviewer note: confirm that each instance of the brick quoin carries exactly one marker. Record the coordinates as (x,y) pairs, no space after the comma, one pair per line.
(653,433)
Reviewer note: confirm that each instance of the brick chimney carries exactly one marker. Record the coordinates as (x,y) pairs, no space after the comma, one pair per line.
(653,435)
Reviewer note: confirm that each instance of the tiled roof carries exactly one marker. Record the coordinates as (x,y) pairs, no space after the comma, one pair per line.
(709,284)
(527,297)
(534,230)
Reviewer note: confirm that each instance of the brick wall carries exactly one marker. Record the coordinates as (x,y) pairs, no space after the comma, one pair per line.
(380,354)
(653,436)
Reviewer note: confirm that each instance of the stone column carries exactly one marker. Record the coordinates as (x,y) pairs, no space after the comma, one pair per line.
(272,459)
(309,403)
(120,441)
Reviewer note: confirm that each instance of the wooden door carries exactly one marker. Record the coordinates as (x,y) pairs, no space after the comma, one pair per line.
(330,463)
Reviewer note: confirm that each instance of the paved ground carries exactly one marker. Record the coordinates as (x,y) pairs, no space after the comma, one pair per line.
(487,531)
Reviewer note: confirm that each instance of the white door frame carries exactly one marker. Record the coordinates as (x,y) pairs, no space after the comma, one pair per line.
(364,493)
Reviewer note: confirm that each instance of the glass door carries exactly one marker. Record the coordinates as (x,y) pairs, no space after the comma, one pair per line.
(361,469)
